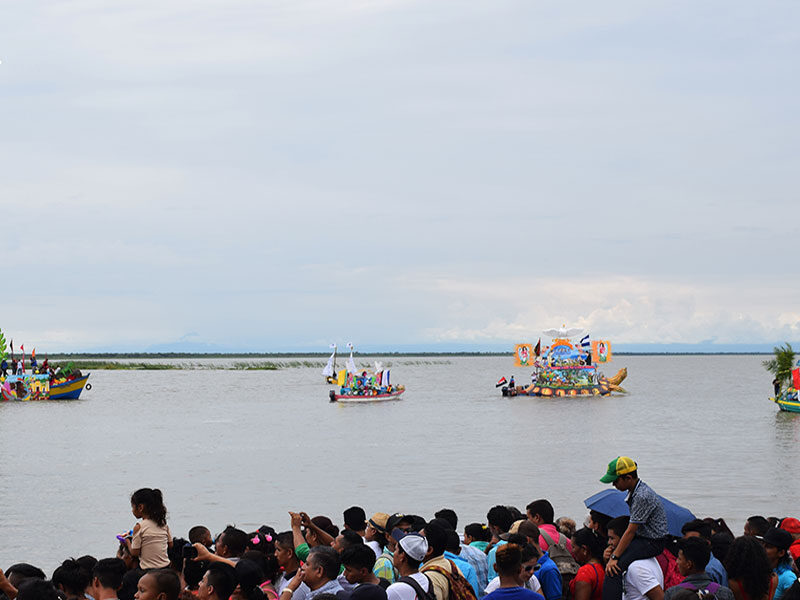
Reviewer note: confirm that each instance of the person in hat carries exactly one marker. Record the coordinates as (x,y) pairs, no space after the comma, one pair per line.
(692,561)
(792,525)
(647,528)
(409,553)
(377,532)
(776,545)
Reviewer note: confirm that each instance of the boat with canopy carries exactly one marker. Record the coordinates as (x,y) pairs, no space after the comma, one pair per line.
(364,386)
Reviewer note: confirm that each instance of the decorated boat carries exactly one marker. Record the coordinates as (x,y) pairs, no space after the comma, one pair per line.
(565,368)
(41,382)
(364,386)
(788,399)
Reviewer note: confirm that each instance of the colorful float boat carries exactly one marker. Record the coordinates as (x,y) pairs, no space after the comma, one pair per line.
(788,400)
(34,386)
(364,386)
(565,368)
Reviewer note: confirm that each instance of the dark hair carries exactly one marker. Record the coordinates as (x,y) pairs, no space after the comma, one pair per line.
(793,592)
(417,523)
(453,541)
(198,533)
(696,550)
(250,577)
(516,514)
(352,538)
(594,543)
(327,558)
(175,553)
(758,524)
(110,571)
(518,539)
(718,526)
(72,577)
(360,557)
(235,540)
(87,562)
(601,519)
(37,589)
(355,518)
(747,561)
(153,502)
(478,532)
(259,542)
(697,526)
(326,525)
(619,525)
(167,583)
(193,571)
(449,515)
(222,577)
(26,571)
(543,508)
(500,517)
(720,544)
(508,559)
(266,562)
(529,552)
(436,535)
(285,538)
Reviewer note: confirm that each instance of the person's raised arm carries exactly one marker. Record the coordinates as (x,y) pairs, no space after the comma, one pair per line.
(206,555)
(6,587)
(297,533)
(324,538)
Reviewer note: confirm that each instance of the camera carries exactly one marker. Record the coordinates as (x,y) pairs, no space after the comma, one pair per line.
(189,551)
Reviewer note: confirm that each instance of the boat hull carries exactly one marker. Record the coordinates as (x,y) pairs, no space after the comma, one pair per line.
(544,391)
(788,402)
(69,390)
(377,398)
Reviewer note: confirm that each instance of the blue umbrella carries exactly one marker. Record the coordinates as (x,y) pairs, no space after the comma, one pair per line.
(612,503)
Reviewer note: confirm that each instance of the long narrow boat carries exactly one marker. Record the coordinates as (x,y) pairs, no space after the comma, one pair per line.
(393,395)
(70,389)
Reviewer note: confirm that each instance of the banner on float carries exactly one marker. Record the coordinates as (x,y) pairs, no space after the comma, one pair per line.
(523,355)
(601,351)
(796,379)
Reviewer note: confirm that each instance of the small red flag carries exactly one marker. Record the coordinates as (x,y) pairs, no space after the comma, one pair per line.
(796,378)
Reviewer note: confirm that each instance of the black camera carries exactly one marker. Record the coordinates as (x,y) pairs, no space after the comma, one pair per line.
(189,551)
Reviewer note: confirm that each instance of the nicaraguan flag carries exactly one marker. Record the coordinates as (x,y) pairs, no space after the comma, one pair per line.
(585,341)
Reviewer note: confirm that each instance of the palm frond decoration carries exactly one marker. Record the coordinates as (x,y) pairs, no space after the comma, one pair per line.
(781,364)
(3,347)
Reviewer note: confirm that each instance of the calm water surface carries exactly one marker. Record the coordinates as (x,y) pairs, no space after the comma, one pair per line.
(244,447)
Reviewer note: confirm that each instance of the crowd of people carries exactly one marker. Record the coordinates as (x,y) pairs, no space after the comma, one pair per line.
(399,556)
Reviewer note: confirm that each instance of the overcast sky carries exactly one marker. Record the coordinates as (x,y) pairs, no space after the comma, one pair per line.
(281,174)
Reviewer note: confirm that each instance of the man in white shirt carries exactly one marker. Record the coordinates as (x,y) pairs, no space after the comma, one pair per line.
(643,579)
(410,552)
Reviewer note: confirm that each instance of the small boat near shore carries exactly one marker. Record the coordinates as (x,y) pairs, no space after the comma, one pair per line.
(364,387)
(34,386)
(788,401)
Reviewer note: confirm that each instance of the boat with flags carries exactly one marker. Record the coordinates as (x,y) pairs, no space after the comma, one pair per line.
(364,386)
(40,382)
(565,367)
(329,372)
(788,400)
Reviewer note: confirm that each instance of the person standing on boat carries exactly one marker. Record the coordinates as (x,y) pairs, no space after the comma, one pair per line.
(4,368)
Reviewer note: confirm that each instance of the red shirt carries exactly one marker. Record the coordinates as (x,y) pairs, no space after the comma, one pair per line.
(593,575)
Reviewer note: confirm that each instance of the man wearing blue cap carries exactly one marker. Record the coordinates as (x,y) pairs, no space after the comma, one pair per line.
(647,530)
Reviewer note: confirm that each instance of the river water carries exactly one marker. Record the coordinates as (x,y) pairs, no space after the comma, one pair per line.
(244,447)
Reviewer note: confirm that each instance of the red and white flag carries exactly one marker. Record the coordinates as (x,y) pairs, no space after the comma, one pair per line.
(501,381)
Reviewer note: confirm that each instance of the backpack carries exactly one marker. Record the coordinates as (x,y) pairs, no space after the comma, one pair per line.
(709,590)
(459,588)
(669,567)
(559,554)
(421,594)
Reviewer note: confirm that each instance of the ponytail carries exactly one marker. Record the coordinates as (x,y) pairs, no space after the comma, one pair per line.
(153,503)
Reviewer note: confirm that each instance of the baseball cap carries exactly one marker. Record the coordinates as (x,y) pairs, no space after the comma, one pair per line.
(622,465)
(779,538)
(791,525)
(412,543)
(398,518)
(378,521)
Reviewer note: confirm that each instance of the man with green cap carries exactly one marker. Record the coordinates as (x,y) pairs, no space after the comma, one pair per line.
(647,530)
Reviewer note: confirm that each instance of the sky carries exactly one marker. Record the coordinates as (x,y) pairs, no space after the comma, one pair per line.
(237,175)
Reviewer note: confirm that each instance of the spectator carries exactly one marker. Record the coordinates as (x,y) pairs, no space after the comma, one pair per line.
(792,525)
(477,535)
(643,578)
(453,552)
(693,555)
(409,553)
(500,519)
(512,576)
(218,583)
(290,564)
(474,556)
(750,576)
(702,530)
(200,534)
(776,545)
(587,547)
(436,565)
(319,573)
(151,537)
(541,514)
(71,579)
(756,526)
(358,561)
(107,578)
(159,584)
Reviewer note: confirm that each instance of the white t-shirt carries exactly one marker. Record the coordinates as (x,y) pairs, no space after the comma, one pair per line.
(641,577)
(376,548)
(532,584)
(403,591)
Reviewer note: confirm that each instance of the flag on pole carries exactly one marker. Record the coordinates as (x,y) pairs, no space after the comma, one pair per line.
(502,381)
(585,343)
(538,349)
